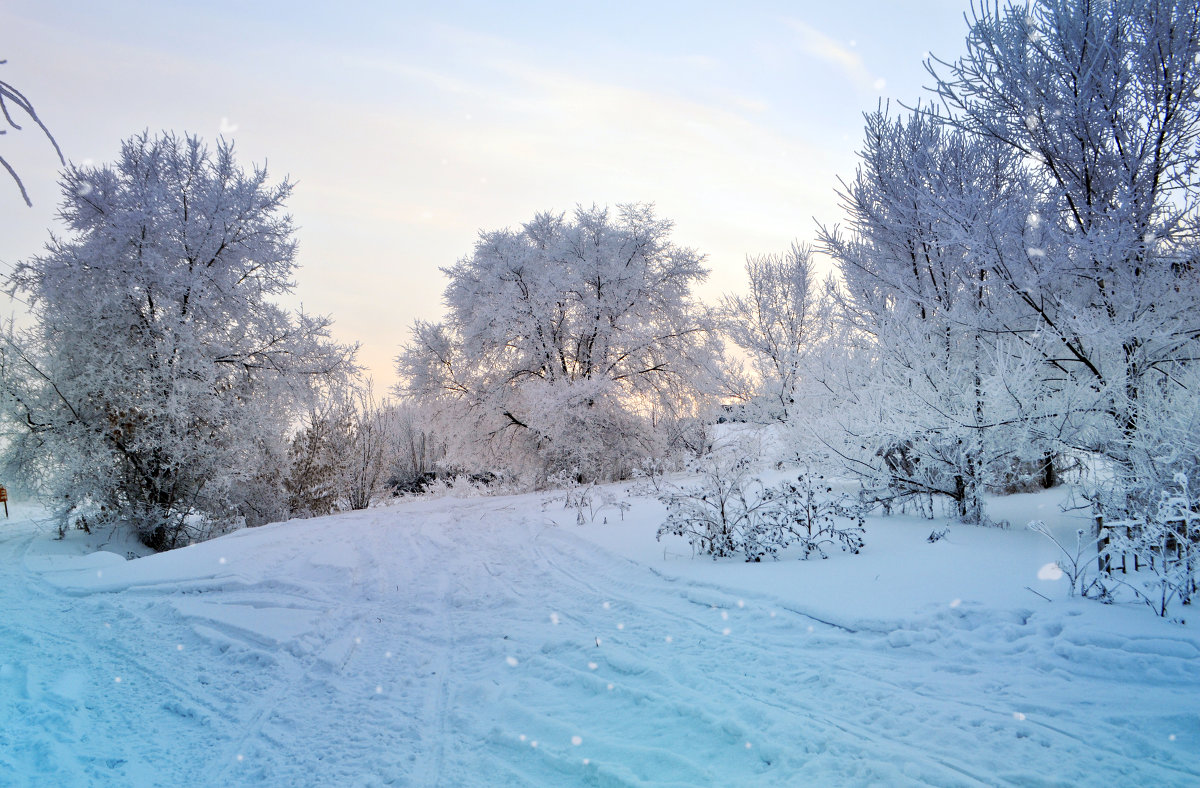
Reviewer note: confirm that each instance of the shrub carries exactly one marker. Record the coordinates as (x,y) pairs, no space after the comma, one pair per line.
(731,512)
(1165,540)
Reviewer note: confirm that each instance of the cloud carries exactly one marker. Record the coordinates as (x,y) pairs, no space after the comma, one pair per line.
(412,185)
(822,47)
(393,181)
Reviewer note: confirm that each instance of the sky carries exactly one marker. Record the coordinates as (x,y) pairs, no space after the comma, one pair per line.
(410,127)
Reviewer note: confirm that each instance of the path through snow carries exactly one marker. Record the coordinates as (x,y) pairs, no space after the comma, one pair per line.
(474,643)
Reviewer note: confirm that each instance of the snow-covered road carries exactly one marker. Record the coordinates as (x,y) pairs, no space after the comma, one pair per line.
(474,643)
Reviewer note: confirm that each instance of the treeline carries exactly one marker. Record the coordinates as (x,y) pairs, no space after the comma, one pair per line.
(1016,292)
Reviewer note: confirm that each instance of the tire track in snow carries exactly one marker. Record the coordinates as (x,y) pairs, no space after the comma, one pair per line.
(865,673)
(679,696)
(290,681)
(534,582)
(435,712)
(434,629)
(83,675)
(377,683)
(293,736)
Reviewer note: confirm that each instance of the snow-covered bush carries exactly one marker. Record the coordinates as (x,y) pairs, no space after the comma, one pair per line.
(730,512)
(260,497)
(1165,546)
(588,499)
(312,481)
(1142,485)
(353,450)
(366,448)
(458,483)
(159,376)
(1076,561)
(416,449)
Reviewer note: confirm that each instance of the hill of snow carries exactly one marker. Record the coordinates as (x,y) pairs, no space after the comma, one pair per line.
(496,642)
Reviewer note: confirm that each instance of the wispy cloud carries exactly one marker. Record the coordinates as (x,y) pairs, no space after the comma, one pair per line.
(821,46)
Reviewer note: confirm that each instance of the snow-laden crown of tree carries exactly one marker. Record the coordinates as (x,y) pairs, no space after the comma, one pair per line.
(159,378)
(1021,261)
(573,342)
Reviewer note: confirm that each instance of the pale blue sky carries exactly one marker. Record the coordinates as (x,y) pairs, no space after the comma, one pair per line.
(410,126)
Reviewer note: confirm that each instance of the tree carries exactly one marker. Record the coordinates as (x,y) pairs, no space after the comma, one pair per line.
(778,324)
(366,446)
(11,98)
(312,482)
(416,447)
(343,454)
(930,211)
(159,377)
(1101,100)
(569,345)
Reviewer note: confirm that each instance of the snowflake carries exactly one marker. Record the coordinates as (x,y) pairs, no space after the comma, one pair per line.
(1051,571)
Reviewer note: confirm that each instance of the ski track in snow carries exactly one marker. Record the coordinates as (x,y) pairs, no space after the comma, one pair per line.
(470,643)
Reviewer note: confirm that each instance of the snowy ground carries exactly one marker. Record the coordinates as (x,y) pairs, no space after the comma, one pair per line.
(495,642)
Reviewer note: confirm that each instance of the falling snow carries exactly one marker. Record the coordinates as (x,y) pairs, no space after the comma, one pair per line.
(1050,571)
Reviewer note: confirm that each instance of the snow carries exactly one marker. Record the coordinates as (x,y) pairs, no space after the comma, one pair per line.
(493,641)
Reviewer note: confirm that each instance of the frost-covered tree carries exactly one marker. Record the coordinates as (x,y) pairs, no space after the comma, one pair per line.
(778,324)
(929,213)
(160,376)
(312,481)
(1036,258)
(571,344)
(370,438)
(341,457)
(13,102)
(417,447)
(1101,100)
